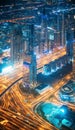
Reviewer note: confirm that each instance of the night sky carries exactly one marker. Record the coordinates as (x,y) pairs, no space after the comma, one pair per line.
(5,2)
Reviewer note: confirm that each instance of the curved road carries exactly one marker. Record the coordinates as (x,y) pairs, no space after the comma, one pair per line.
(10,87)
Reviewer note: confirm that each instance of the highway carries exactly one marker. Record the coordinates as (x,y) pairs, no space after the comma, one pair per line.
(17,108)
(8,78)
(9,87)
(46,58)
(27,116)
(18,70)
(20,114)
(52,90)
(13,13)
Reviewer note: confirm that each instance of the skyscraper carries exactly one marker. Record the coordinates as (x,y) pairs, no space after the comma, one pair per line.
(74,60)
(17,45)
(29,61)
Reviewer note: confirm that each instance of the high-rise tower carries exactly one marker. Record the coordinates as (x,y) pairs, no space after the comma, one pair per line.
(30,65)
(17,45)
(33,71)
(73,60)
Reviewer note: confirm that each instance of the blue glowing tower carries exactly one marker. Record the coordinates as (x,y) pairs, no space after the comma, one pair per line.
(73,60)
(33,71)
(30,65)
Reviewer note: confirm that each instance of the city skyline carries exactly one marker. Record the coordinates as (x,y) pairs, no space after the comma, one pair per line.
(37,65)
